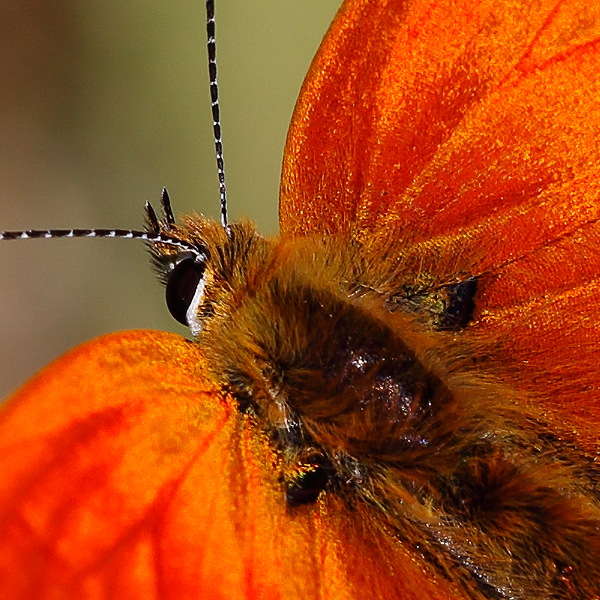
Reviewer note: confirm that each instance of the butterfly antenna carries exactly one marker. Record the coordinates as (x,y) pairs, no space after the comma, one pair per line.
(153,237)
(155,233)
(214,96)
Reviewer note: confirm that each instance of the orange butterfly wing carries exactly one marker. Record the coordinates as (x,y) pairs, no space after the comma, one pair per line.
(469,134)
(126,473)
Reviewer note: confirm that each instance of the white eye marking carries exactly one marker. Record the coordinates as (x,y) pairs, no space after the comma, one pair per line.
(191,315)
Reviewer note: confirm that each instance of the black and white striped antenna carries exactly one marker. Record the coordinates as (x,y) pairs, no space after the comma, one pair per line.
(155,230)
(214,97)
(153,235)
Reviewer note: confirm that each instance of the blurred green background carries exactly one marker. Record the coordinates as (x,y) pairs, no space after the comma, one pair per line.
(103,103)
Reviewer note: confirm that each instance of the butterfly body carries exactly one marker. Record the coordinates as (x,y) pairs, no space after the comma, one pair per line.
(368,398)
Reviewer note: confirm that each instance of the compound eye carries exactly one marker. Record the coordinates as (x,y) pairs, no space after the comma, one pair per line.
(182,287)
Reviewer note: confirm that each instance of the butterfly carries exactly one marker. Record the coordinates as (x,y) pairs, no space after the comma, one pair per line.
(395,398)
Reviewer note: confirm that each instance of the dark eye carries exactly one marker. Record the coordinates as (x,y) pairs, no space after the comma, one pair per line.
(182,285)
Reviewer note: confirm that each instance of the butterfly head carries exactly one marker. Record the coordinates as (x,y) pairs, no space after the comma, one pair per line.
(207,272)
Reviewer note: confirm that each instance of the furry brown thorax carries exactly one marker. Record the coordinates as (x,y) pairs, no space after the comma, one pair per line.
(376,400)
